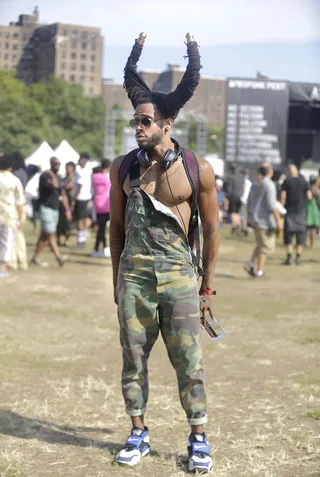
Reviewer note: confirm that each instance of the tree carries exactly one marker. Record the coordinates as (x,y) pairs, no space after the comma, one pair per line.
(50,111)
(21,119)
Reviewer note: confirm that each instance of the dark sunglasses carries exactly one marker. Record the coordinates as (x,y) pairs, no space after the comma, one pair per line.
(145,122)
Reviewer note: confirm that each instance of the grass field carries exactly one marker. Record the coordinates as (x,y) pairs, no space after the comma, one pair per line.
(61,410)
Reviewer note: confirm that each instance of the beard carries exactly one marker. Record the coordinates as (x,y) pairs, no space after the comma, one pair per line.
(152,142)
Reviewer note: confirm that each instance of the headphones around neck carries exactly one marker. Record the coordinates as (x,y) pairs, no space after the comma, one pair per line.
(169,157)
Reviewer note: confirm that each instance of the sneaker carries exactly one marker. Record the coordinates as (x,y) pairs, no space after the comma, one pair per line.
(298,261)
(107,252)
(288,261)
(61,260)
(199,453)
(137,446)
(249,270)
(4,274)
(38,263)
(97,254)
(79,245)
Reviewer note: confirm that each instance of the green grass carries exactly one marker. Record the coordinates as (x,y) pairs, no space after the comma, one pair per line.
(61,409)
(313,414)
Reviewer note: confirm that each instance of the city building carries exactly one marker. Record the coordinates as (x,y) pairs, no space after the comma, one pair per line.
(114,95)
(208,101)
(71,52)
(14,38)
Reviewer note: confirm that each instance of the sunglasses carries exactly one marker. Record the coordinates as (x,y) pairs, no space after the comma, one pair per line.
(145,122)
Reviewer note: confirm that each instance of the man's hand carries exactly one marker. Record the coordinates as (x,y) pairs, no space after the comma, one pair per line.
(279,225)
(206,305)
(68,215)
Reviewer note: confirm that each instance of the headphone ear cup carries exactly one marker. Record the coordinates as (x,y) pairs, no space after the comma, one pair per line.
(144,159)
(169,157)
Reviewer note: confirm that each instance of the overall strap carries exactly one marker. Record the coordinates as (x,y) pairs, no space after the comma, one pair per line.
(192,170)
(134,174)
(126,165)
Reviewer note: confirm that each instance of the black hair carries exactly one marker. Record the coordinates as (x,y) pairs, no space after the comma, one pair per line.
(6,162)
(84,155)
(71,164)
(105,163)
(18,161)
(312,180)
(264,170)
(168,104)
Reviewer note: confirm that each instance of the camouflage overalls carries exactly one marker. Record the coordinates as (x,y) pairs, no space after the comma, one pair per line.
(157,290)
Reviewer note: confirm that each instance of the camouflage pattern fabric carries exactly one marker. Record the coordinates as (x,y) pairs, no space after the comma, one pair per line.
(157,291)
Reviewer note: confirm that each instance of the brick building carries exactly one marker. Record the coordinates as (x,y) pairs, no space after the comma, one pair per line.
(209,98)
(72,52)
(14,37)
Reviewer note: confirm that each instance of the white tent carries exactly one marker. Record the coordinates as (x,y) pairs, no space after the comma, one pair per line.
(41,156)
(65,153)
(216,163)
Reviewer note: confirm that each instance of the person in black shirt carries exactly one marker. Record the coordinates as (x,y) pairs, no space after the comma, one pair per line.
(234,189)
(50,189)
(295,192)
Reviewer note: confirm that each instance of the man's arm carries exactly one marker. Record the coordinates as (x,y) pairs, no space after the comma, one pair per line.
(209,214)
(51,179)
(117,219)
(272,203)
(79,186)
(20,202)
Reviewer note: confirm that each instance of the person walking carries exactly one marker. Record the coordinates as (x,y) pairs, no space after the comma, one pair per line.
(264,218)
(313,211)
(82,200)
(64,227)
(12,201)
(50,189)
(244,201)
(101,201)
(155,282)
(295,191)
(234,189)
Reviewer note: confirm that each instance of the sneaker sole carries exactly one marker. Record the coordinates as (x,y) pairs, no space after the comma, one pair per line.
(134,461)
(201,470)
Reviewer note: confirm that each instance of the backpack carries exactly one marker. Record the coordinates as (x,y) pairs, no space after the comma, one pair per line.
(192,171)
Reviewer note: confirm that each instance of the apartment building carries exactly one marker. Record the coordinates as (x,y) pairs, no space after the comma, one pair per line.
(14,38)
(72,52)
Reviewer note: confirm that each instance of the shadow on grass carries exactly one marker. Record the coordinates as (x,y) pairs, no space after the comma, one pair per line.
(13,424)
(89,262)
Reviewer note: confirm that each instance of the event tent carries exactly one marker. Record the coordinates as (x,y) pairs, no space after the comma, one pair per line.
(65,153)
(216,163)
(41,156)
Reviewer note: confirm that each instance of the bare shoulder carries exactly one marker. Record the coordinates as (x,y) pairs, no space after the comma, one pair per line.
(206,174)
(114,170)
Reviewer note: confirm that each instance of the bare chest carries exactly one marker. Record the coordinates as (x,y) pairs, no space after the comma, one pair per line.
(171,188)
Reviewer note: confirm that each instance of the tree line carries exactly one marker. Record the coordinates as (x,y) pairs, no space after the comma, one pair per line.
(54,110)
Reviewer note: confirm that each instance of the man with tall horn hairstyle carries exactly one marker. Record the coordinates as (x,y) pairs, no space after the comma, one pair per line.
(156,191)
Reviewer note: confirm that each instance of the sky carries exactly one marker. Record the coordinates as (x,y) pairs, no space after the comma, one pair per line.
(214,23)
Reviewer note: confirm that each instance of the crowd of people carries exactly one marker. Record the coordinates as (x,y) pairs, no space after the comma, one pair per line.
(61,201)
(276,203)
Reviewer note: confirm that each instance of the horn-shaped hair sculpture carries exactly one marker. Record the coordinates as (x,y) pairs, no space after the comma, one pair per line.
(168,104)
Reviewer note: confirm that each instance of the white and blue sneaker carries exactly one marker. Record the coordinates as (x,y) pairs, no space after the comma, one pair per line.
(199,453)
(137,446)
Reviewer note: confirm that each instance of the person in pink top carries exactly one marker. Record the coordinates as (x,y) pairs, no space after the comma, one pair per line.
(101,201)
